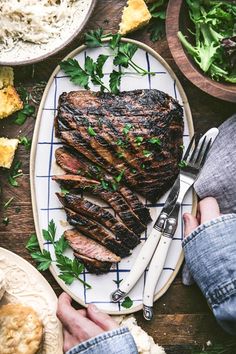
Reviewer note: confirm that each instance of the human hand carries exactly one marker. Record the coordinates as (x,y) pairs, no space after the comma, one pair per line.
(208,209)
(81,325)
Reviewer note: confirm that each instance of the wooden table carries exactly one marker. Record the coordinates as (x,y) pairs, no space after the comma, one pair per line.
(182,317)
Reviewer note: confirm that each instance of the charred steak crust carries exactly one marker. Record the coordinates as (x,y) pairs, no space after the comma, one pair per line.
(97,232)
(113,198)
(148,113)
(74,163)
(99,214)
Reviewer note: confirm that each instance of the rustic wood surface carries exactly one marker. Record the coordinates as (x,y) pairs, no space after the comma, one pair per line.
(182,317)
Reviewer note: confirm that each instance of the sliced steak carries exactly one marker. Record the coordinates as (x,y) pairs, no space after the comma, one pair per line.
(75,163)
(101,215)
(85,247)
(113,198)
(97,232)
(93,265)
(127,132)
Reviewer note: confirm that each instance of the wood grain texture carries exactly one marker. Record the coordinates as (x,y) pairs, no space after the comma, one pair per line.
(177,15)
(182,317)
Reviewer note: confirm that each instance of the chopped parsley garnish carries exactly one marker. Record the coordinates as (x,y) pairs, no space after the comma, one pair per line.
(127,128)
(120,176)
(14,173)
(7,204)
(5,221)
(156,141)
(91,131)
(147,153)
(25,142)
(139,140)
(27,111)
(183,164)
(127,303)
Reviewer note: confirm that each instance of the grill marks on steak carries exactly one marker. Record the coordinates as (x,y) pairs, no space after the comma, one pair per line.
(104,217)
(150,112)
(114,199)
(73,162)
(96,257)
(94,230)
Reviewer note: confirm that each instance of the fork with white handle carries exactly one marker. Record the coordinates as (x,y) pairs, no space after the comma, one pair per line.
(150,245)
(188,175)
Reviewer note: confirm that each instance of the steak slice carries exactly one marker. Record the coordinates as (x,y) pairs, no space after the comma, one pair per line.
(93,265)
(74,163)
(93,251)
(103,216)
(118,123)
(114,199)
(97,232)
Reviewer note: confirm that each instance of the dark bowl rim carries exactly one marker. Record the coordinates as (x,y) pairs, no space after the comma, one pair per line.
(58,49)
(224,91)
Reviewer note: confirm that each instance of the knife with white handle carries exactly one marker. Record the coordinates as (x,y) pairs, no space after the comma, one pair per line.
(188,176)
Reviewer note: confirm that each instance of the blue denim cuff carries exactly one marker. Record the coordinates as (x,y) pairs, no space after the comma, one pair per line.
(210,253)
(117,341)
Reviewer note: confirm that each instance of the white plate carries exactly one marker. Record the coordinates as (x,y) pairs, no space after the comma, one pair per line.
(46,205)
(27,52)
(25,285)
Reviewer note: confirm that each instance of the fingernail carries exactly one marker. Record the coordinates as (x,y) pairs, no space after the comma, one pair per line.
(94,308)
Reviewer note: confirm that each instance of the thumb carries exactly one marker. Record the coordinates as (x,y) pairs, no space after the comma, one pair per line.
(190,223)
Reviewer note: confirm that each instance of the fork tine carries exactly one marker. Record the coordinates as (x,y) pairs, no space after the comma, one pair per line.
(191,158)
(204,154)
(189,147)
(199,153)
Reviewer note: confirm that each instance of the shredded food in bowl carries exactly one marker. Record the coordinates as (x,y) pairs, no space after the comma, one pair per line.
(33,20)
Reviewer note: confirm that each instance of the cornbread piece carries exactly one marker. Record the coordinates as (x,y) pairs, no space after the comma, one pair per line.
(20,330)
(7,151)
(135,15)
(10,101)
(6,76)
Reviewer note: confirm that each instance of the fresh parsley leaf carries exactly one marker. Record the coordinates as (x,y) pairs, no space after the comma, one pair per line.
(64,191)
(5,221)
(114,81)
(77,75)
(7,204)
(127,303)
(32,244)
(147,153)
(43,258)
(61,245)
(67,277)
(125,53)
(50,233)
(156,26)
(120,176)
(89,66)
(139,140)
(93,38)
(102,58)
(22,115)
(127,128)
(114,41)
(91,131)
(156,141)
(133,170)
(105,185)
(25,142)
(14,173)
(183,164)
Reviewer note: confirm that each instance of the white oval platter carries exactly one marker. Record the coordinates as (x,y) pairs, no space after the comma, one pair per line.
(46,205)
(25,285)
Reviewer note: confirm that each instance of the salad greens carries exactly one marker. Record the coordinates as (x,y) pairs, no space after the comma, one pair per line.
(214,30)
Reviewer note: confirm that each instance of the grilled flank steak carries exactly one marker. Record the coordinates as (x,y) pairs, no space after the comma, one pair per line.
(114,146)
(138,132)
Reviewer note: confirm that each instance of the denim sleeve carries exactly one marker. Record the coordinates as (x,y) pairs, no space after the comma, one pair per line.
(117,341)
(210,253)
